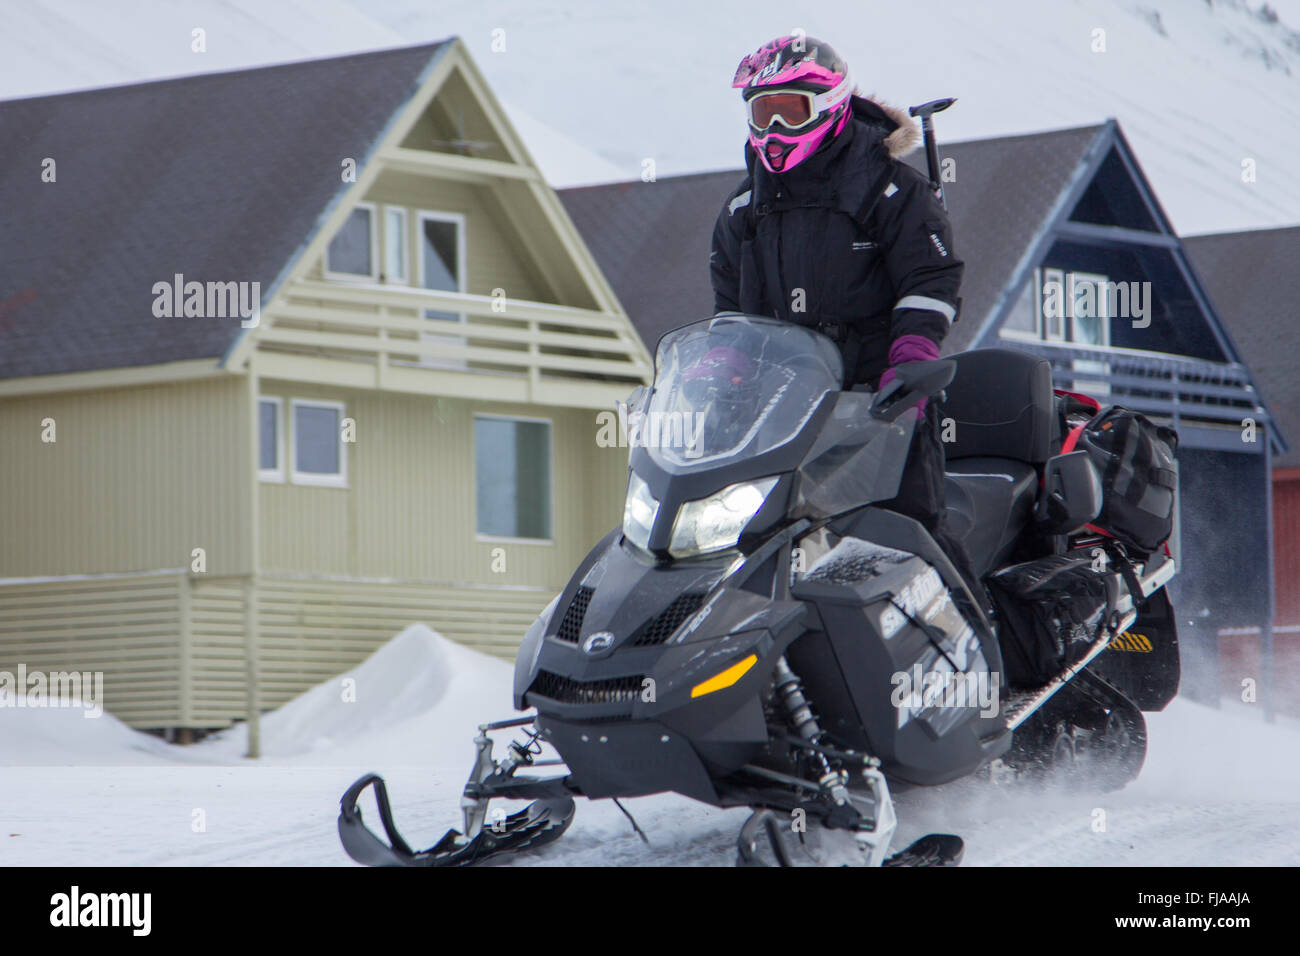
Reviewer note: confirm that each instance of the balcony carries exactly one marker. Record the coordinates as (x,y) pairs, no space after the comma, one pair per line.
(1179,389)
(378,336)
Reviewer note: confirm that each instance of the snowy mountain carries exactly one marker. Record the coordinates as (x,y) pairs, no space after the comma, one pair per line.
(1200,86)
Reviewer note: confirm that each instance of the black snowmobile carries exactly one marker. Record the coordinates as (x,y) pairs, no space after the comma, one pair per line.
(758,634)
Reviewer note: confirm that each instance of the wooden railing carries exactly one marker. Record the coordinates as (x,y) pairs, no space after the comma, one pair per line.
(386,324)
(1171,386)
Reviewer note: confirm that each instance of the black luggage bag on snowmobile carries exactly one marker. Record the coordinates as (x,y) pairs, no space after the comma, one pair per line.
(1139,475)
(1051,610)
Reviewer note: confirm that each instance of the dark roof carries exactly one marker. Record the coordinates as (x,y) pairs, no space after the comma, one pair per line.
(652,239)
(1253,280)
(219,177)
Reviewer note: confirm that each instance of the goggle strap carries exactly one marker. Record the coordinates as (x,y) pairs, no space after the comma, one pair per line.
(832,97)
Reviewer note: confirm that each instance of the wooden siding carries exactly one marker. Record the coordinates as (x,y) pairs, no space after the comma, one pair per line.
(409,510)
(133,629)
(137,479)
(311,630)
(128,627)
(495,256)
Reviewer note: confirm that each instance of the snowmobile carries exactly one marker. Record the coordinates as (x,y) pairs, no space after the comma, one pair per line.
(759,632)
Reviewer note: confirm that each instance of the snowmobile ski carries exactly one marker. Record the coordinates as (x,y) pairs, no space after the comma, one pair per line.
(535,825)
(768,839)
(935,849)
(485,835)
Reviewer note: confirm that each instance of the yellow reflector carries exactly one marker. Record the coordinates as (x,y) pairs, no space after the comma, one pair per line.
(728,677)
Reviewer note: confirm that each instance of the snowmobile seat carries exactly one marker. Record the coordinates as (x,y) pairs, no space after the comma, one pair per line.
(989,503)
(1003,426)
(1001,405)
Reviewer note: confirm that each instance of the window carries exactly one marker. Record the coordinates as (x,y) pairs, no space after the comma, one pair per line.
(1073,307)
(512,464)
(317,442)
(1089,309)
(1053,306)
(270,439)
(442,268)
(351,254)
(394,244)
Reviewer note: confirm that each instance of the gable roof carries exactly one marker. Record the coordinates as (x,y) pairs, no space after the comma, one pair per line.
(1253,279)
(652,239)
(218,177)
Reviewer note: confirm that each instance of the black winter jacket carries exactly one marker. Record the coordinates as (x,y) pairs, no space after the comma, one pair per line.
(852,241)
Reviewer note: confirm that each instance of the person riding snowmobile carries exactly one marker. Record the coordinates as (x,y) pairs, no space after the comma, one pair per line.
(830,229)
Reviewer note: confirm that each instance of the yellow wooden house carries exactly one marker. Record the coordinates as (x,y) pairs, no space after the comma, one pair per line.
(289,359)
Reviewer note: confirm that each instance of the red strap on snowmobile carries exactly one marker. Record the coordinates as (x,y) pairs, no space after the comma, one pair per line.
(1072,439)
(1080,397)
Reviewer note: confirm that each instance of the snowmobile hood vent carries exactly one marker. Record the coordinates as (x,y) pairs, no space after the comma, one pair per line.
(662,626)
(571,625)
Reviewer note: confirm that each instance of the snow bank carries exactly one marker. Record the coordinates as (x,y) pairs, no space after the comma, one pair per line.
(415,701)
(64,736)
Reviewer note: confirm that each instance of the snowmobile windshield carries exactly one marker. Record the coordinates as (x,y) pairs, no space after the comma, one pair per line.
(735,386)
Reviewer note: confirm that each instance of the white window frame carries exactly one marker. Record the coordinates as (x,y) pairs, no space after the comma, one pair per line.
(406,246)
(1103,307)
(459,219)
(275,474)
(550,466)
(374,249)
(339,480)
(1041,320)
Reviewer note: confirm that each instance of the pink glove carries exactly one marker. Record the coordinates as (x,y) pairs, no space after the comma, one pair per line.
(910,348)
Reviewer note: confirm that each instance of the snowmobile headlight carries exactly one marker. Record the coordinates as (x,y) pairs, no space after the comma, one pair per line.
(639,512)
(714,523)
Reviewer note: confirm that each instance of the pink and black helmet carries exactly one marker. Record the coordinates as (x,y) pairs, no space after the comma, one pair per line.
(797,92)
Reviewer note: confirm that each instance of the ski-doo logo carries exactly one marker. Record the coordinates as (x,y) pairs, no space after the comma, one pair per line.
(920,591)
(598,643)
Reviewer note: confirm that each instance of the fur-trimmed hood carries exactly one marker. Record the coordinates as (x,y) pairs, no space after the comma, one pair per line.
(902,135)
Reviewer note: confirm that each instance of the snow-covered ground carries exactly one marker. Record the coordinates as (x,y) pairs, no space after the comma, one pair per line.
(598,87)
(1220,787)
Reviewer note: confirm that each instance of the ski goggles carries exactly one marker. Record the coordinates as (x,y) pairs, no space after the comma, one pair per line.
(794,109)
